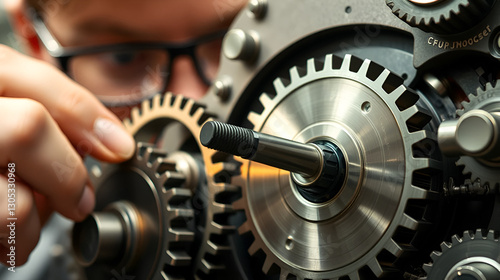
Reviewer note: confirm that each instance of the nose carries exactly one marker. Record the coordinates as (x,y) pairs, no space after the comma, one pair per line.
(184,79)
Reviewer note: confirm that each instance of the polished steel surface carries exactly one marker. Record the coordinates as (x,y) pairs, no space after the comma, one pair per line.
(426,2)
(293,156)
(472,255)
(484,168)
(114,235)
(322,247)
(340,236)
(344,137)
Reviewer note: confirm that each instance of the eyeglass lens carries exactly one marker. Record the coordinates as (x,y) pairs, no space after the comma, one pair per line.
(125,77)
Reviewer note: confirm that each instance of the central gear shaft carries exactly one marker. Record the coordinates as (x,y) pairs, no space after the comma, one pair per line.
(318,169)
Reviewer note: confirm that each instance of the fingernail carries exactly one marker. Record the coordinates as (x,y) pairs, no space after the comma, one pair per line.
(114,137)
(87,201)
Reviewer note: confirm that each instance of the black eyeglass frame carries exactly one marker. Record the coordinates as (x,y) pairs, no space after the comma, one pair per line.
(65,54)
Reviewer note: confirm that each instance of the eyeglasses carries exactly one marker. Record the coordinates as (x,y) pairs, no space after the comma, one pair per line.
(126,74)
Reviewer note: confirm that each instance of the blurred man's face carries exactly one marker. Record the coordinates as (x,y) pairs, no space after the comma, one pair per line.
(97,22)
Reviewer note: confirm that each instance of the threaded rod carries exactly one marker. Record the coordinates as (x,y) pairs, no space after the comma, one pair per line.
(305,159)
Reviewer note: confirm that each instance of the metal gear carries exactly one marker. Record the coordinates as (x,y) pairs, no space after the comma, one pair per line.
(366,111)
(440,16)
(473,256)
(183,118)
(482,169)
(144,200)
(173,123)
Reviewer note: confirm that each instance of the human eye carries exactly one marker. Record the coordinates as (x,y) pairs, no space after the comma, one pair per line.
(122,59)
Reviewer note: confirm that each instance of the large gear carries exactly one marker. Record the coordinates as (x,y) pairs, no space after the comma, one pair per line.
(472,256)
(440,16)
(367,111)
(482,169)
(150,194)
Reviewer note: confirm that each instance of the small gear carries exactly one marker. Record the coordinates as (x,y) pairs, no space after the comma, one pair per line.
(172,124)
(484,170)
(440,16)
(181,120)
(352,234)
(472,256)
(151,192)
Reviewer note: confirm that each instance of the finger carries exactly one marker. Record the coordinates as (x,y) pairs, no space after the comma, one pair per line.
(19,222)
(88,124)
(43,157)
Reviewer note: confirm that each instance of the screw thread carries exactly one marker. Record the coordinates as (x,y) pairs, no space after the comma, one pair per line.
(228,138)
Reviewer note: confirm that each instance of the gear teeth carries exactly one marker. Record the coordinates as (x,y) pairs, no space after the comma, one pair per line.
(460,253)
(398,92)
(157,101)
(150,155)
(207,267)
(311,65)
(491,235)
(410,112)
(199,115)
(175,109)
(408,222)
(294,73)
(244,228)
(383,77)
(455,240)
(188,106)
(445,246)
(485,171)
(239,204)
(278,86)
(284,275)
(354,275)
(253,118)
(170,179)
(178,258)
(468,236)
(218,249)
(449,18)
(363,70)
(268,263)
(135,114)
(180,235)
(223,229)
(423,163)
(346,63)
(375,267)
(220,208)
(407,114)
(254,248)
(178,101)
(419,193)
(265,99)
(435,255)
(159,165)
(393,248)
(427,267)
(177,195)
(479,234)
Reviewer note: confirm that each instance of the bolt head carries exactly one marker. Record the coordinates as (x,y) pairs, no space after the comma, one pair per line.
(239,45)
(257,8)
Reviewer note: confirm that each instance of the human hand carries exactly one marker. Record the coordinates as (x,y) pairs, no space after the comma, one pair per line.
(47,123)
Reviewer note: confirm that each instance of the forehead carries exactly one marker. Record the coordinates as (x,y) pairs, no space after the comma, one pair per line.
(171,20)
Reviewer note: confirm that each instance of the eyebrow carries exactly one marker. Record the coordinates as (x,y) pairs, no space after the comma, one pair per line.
(104,27)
